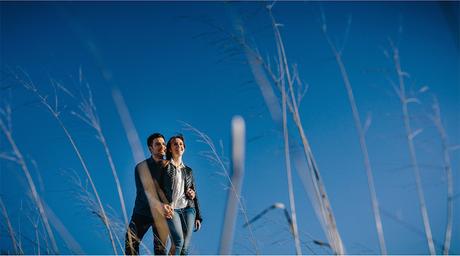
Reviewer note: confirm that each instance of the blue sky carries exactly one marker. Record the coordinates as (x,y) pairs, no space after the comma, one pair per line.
(169,68)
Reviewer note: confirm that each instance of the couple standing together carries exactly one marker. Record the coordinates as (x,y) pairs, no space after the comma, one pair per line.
(165,199)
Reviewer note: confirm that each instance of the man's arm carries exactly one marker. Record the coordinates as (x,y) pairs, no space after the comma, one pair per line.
(157,208)
(148,185)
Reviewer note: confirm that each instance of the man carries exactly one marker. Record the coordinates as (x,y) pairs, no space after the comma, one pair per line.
(149,210)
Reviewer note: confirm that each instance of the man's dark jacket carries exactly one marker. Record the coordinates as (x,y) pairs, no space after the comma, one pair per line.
(141,205)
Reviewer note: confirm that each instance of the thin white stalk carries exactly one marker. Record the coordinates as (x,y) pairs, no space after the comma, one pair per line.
(413,156)
(19,227)
(264,85)
(33,190)
(115,175)
(287,158)
(47,245)
(16,247)
(38,240)
(150,188)
(287,153)
(128,125)
(326,210)
(89,116)
(362,141)
(255,62)
(214,156)
(275,206)
(238,150)
(132,136)
(448,168)
(117,238)
(37,237)
(35,225)
(56,114)
(326,215)
(90,179)
(69,240)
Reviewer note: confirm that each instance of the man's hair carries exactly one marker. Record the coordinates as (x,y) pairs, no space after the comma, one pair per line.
(152,137)
(168,145)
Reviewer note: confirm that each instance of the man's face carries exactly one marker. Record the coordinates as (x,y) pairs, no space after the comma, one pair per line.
(158,148)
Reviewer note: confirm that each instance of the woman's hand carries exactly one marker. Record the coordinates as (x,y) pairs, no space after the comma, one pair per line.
(191,193)
(197,225)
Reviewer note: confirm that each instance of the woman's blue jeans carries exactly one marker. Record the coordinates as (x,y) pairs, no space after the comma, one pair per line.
(181,227)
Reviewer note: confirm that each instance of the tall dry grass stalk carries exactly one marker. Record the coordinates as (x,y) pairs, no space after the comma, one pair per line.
(16,247)
(119,227)
(86,199)
(295,232)
(289,221)
(128,125)
(213,156)
(35,224)
(63,232)
(55,111)
(362,137)
(17,157)
(152,190)
(326,215)
(436,118)
(238,132)
(88,114)
(261,70)
(272,207)
(133,140)
(410,135)
(136,150)
(107,75)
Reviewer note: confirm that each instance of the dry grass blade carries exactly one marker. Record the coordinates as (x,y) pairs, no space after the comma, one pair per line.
(130,131)
(260,70)
(236,181)
(362,138)
(287,158)
(35,225)
(64,233)
(151,189)
(413,156)
(436,117)
(17,249)
(274,206)
(55,112)
(87,200)
(88,114)
(258,64)
(216,158)
(128,125)
(17,155)
(326,211)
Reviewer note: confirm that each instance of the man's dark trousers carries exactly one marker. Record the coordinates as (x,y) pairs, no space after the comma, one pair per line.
(138,226)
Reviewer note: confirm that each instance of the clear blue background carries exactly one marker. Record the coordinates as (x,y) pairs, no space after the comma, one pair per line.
(169,67)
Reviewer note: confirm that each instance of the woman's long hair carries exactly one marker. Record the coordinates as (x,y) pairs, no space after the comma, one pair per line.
(168,146)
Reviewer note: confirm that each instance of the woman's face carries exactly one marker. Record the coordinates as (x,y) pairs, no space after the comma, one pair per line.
(177,147)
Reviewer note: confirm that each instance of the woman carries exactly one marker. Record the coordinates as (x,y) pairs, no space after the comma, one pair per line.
(178,185)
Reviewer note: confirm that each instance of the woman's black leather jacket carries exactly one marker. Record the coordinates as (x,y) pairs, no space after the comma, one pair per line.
(166,184)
